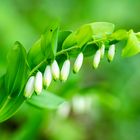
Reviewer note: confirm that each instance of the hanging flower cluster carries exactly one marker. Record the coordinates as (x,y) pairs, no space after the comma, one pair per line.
(36,83)
(24,77)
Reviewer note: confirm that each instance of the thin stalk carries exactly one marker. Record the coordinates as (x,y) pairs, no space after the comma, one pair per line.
(44,61)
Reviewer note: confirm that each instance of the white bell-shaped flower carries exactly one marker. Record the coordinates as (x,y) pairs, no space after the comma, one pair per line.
(55,70)
(111,53)
(47,76)
(102,49)
(78,63)
(29,88)
(38,83)
(65,70)
(79,105)
(96,59)
(64,110)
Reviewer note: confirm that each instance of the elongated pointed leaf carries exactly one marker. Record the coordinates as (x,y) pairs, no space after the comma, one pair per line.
(49,42)
(101,29)
(17,70)
(78,38)
(119,35)
(61,37)
(45,48)
(46,100)
(14,81)
(88,32)
(2,90)
(11,106)
(133,45)
(35,55)
(89,50)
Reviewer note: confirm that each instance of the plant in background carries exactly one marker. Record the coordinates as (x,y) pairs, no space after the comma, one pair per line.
(29,72)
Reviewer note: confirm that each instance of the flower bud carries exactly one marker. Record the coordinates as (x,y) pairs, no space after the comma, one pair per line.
(102,49)
(29,88)
(38,83)
(55,70)
(78,63)
(96,59)
(47,76)
(65,70)
(111,53)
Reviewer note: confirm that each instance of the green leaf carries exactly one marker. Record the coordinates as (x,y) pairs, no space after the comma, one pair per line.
(133,45)
(119,35)
(88,32)
(49,42)
(46,100)
(83,35)
(2,90)
(35,55)
(78,38)
(138,35)
(17,70)
(89,49)
(2,81)
(74,52)
(60,59)
(101,29)
(11,106)
(45,48)
(14,81)
(61,37)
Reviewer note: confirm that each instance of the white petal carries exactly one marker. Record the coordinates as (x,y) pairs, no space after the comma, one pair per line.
(64,110)
(65,70)
(38,83)
(55,70)
(79,104)
(29,88)
(102,49)
(78,63)
(111,52)
(96,59)
(47,76)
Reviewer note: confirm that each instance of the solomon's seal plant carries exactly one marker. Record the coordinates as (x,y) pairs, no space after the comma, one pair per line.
(32,72)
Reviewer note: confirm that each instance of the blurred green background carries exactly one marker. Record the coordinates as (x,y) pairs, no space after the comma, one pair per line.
(102,104)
